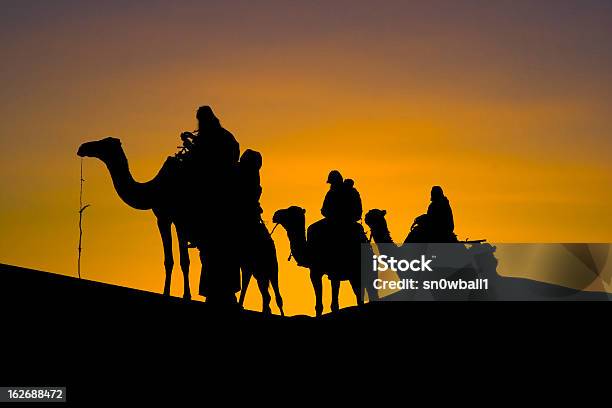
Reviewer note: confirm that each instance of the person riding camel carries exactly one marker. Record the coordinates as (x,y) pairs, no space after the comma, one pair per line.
(333,203)
(352,200)
(342,202)
(211,145)
(440,216)
(208,157)
(437,225)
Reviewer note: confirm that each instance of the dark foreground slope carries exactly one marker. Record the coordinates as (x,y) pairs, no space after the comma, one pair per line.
(59,330)
(68,296)
(104,341)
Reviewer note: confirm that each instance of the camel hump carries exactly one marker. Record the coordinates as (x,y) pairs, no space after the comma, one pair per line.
(170,166)
(169,173)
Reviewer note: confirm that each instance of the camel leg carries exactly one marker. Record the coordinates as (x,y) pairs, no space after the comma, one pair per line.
(246,279)
(276,289)
(184,260)
(265,295)
(368,288)
(164,225)
(335,285)
(356,285)
(317,284)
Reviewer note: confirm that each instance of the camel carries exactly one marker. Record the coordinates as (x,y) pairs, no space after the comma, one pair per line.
(162,195)
(259,259)
(375,219)
(478,259)
(156,194)
(321,250)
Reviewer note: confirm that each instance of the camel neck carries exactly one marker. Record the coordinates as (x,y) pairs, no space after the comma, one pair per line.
(136,195)
(382,236)
(297,243)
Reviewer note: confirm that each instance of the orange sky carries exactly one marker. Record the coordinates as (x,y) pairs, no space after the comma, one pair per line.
(506,106)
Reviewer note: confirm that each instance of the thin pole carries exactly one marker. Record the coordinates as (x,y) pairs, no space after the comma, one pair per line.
(81,210)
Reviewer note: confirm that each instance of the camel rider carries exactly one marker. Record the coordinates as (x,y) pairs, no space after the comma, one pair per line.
(342,209)
(208,164)
(211,146)
(333,202)
(342,202)
(352,200)
(439,221)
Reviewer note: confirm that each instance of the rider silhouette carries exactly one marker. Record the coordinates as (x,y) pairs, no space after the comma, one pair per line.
(352,201)
(440,221)
(211,145)
(333,202)
(342,202)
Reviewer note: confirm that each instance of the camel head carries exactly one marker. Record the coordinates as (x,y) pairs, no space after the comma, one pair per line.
(102,149)
(292,217)
(375,219)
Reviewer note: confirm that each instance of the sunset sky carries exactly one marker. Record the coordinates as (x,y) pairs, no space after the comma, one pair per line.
(506,104)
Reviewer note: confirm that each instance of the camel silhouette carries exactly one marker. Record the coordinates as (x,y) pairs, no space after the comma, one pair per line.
(157,194)
(258,258)
(325,252)
(477,260)
(375,219)
(163,195)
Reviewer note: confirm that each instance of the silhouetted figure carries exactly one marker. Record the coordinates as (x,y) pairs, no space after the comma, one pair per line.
(210,168)
(437,225)
(211,145)
(342,202)
(352,201)
(249,184)
(257,249)
(333,202)
(440,215)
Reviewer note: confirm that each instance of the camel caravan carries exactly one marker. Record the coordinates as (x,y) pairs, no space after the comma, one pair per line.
(210,220)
